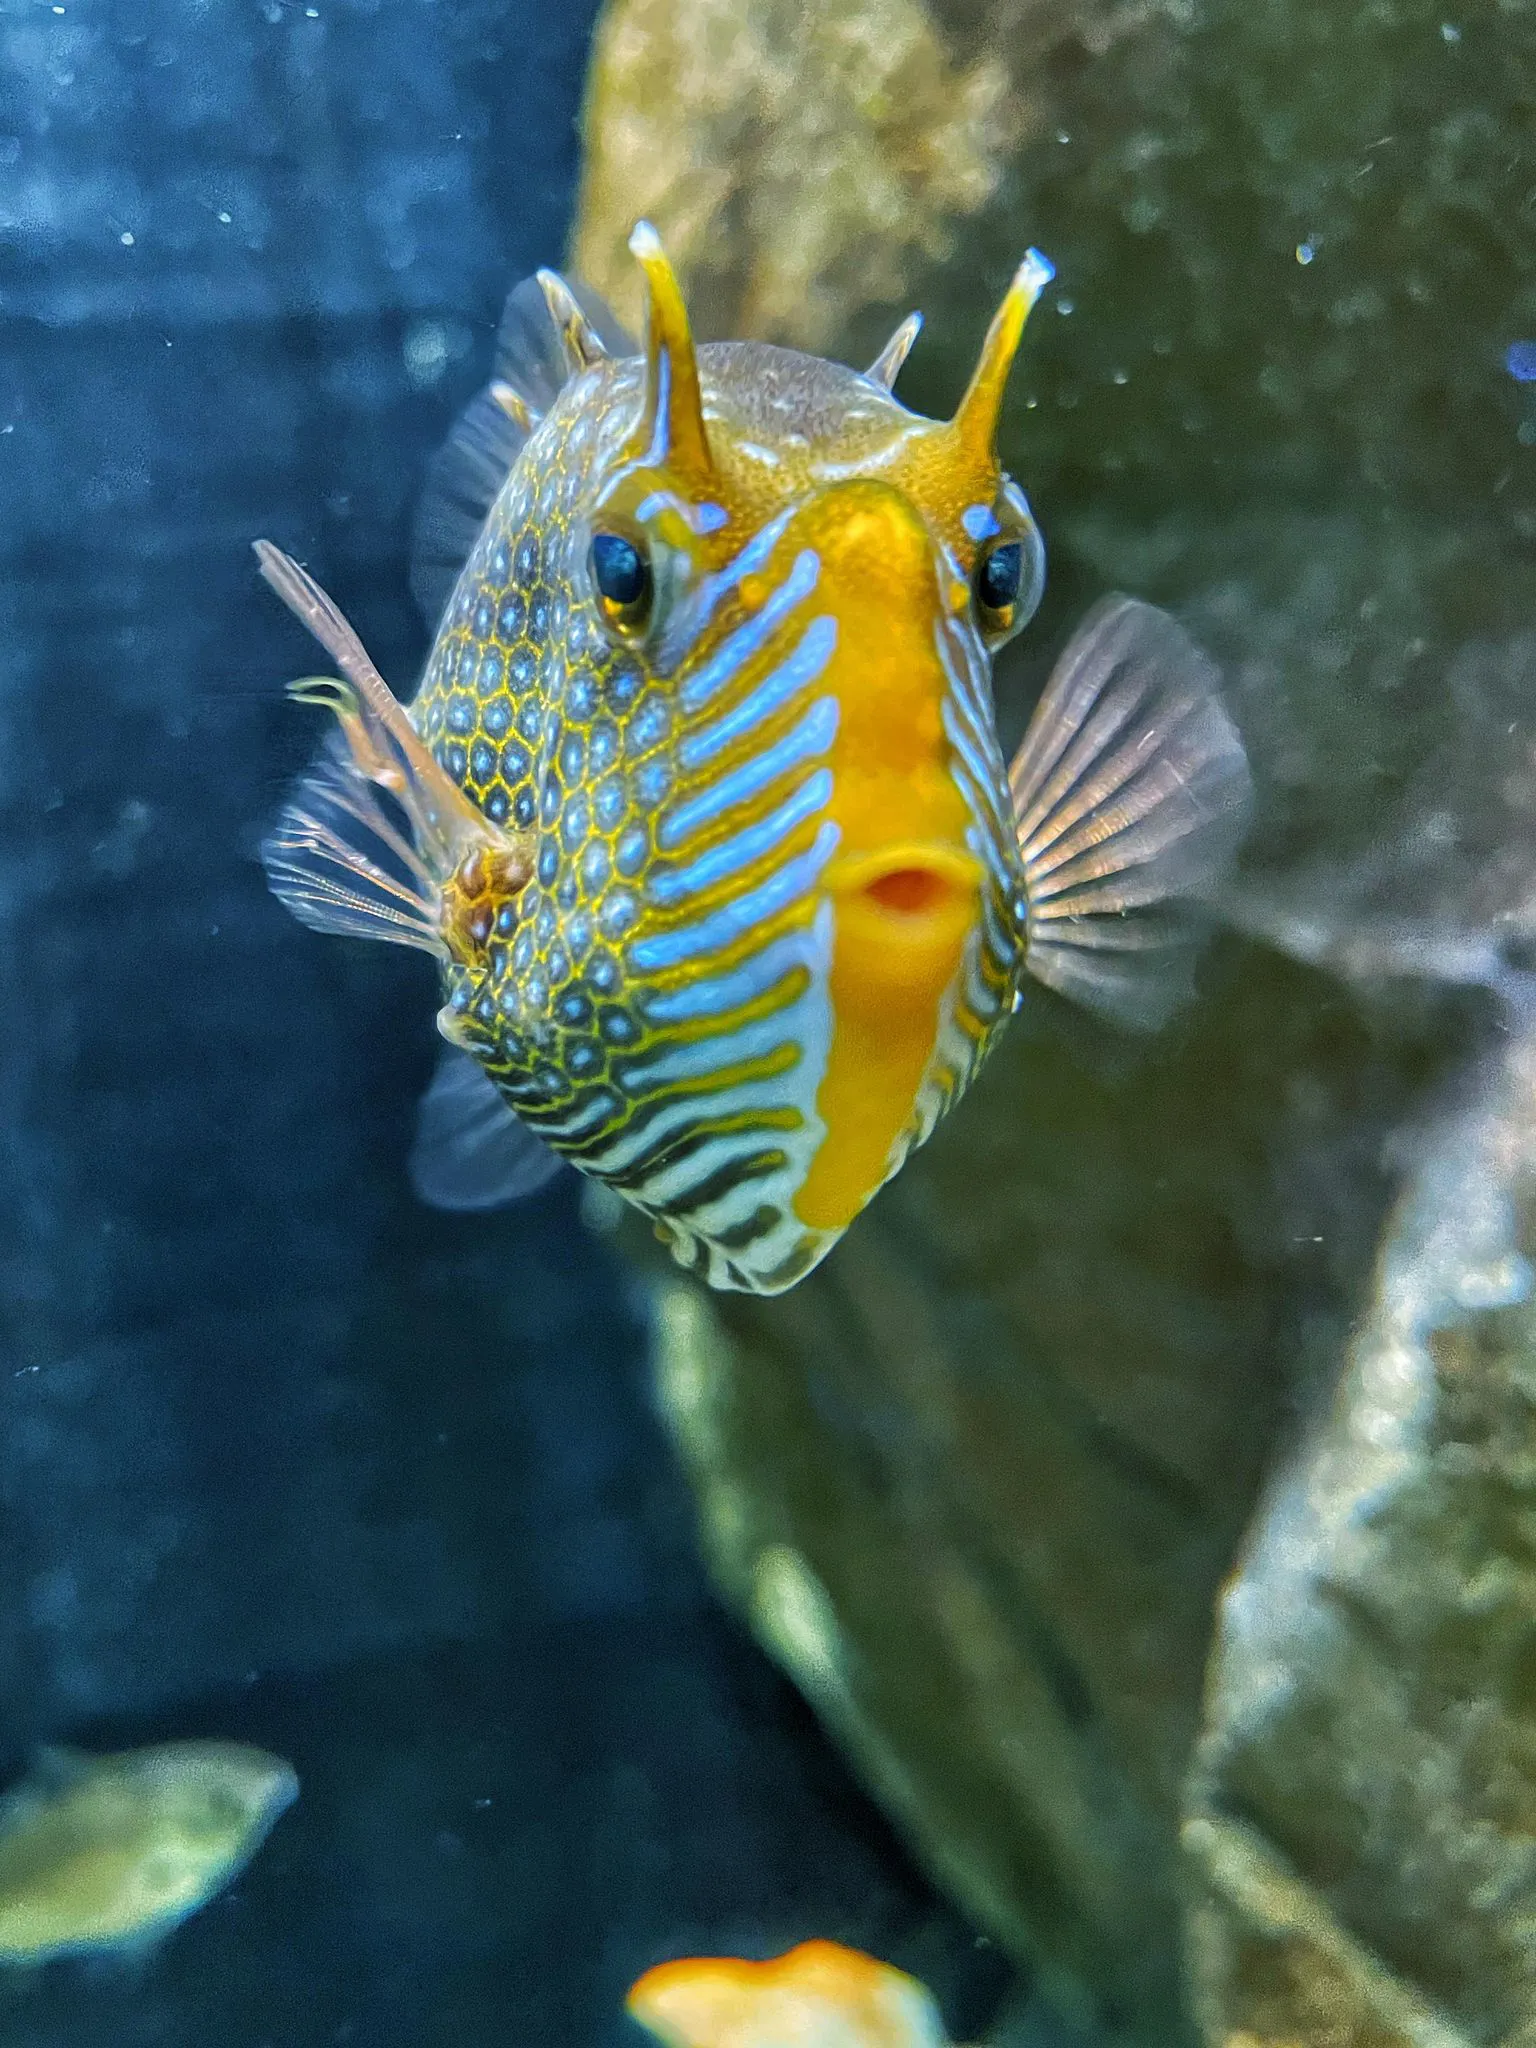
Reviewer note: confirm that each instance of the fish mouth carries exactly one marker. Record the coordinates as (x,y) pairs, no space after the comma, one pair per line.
(909,885)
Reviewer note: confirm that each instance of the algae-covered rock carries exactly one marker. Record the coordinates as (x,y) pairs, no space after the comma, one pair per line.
(977,1484)
(980,1480)
(802,158)
(1364,1804)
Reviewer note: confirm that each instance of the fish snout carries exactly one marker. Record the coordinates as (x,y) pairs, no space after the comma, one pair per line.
(904,912)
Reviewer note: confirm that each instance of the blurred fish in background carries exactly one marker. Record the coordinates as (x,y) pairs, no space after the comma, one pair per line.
(106,1855)
(819,1995)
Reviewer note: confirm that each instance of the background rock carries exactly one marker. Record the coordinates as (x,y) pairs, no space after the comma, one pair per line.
(1363,1801)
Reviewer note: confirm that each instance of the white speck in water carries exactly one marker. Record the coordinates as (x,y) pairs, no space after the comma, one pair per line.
(1449,32)
(1120,377)
(1062,135)
(1066,306)
(58,10)
(126,239)
(225,219)
(1304,253)
(311,14)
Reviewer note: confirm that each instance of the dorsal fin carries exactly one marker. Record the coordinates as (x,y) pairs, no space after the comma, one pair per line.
(55,1766)
(532,365)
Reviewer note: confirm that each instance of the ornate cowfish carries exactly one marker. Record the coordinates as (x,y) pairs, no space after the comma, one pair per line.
(819,1995)
(701,806)
(106,1854)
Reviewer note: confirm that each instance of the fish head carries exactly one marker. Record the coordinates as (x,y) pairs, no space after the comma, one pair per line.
(216,1800)
(776,915)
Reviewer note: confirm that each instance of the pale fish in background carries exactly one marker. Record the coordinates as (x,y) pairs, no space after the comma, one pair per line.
(107,1854)
(819,1995)
(701,807)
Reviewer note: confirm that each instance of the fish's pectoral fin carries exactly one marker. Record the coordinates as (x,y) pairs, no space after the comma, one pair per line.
(472,1151)
(374,835)
(340,863)
(1131,791)
(536,347)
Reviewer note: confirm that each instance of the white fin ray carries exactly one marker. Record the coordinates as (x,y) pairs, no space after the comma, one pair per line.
(335,859)
(472,1151)
(1131,791)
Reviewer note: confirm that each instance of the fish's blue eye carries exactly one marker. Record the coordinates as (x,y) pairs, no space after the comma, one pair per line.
(623,579)
(999,575)
(1009,579)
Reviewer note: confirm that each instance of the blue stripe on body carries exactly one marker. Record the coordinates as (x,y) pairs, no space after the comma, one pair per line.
(730,991)
(798,668)
(804,742)
(694,1059)
(733,921)
(693,616)
(739,647)
(734,855)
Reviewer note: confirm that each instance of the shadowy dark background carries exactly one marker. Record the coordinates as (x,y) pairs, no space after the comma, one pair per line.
(283,1456)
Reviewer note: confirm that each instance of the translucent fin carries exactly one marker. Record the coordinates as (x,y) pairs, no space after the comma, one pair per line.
(54,1766)
(339,857)
(1130,792)
(336,859)
(532,364)
(471,1150)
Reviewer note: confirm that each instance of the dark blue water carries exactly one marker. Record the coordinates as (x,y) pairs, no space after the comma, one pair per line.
(282,1456)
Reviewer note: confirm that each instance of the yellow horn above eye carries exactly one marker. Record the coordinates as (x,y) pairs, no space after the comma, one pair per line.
(975,420)
(672,425)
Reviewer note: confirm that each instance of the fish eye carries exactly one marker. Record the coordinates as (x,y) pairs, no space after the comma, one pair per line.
(623,579)
(1009,581)
(998,576)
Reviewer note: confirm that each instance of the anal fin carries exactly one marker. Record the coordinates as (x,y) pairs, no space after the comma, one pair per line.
(1131,791)
(472,1151)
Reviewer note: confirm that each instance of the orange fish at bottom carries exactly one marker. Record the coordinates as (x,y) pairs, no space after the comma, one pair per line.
(819,1995)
